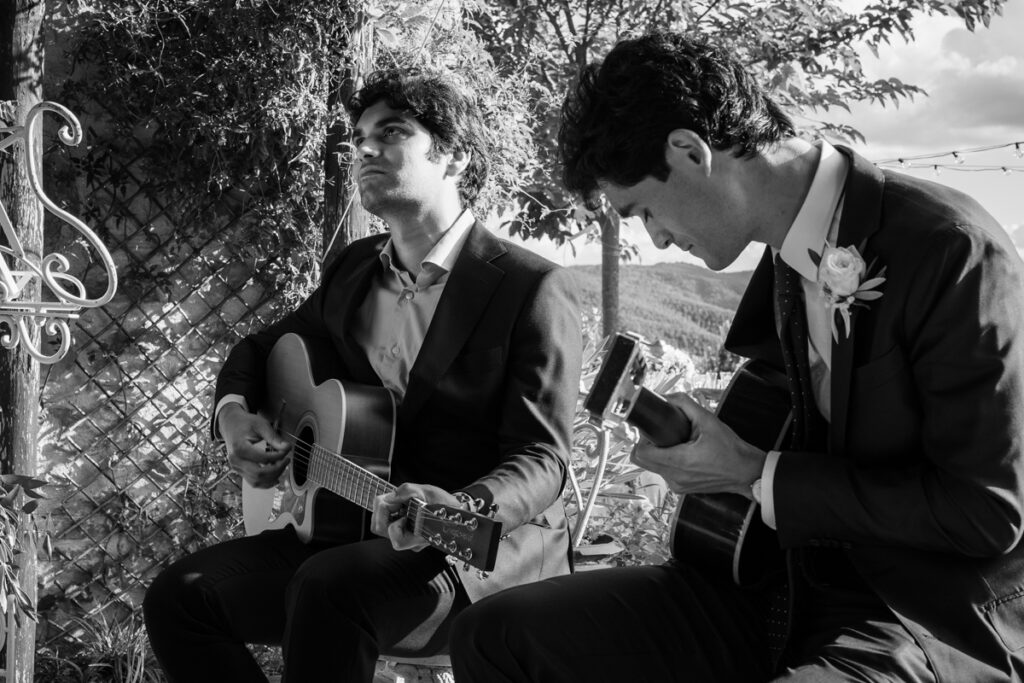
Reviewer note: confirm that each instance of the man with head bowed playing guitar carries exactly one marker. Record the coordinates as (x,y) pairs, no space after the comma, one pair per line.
(892,308)
(423,394)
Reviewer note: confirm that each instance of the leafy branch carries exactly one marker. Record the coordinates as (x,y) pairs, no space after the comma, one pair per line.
(19,497)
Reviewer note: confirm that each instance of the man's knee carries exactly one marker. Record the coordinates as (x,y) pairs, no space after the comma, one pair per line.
(464,629)
(162,593)
(171,598)
(486,625)
(319,587)
(307,585)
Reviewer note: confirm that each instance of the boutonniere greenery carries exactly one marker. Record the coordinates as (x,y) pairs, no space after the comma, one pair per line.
(845,281)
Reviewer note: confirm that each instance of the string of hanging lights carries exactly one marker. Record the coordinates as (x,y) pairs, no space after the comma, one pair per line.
(956,160)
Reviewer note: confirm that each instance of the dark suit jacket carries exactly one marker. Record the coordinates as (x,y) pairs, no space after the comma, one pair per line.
(923,481)
(491,397)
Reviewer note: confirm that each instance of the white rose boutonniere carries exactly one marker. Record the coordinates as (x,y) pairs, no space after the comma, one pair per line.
(842,283)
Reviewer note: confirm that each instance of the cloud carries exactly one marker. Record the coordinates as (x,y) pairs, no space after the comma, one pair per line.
(975,85)
(1003,67)
(980,111)
(1001,38)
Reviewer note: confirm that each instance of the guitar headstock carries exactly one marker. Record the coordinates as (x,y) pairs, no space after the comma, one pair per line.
(620,376)
(470,537)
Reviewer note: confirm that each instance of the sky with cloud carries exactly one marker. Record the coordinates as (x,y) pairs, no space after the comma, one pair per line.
(975,86)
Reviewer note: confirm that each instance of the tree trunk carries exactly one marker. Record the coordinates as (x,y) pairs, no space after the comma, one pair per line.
(345,219)
(21,75)
(611,258)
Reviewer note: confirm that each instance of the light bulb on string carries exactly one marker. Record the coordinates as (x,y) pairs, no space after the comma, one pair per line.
(959,160)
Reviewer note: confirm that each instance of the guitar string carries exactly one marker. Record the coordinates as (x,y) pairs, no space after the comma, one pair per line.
(416,509)
(366,483)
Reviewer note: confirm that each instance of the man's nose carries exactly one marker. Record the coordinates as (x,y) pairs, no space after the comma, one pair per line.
(366,150)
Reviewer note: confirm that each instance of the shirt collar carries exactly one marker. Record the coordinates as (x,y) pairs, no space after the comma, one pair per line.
(810,229)
(442,256)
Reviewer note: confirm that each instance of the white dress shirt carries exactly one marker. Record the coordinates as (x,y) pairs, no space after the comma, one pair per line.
(815,224)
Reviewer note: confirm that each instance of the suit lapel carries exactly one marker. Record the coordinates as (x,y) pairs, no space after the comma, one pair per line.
(752,333)
(350,291)
(862,211)
(470,286)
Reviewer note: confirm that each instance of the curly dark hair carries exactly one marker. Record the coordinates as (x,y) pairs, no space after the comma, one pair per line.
(617,120)
(451,115)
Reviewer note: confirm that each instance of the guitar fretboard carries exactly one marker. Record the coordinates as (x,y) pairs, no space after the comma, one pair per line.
(341,476)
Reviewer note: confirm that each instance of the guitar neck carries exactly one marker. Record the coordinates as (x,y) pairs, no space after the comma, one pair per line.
(344,478)
(341,476)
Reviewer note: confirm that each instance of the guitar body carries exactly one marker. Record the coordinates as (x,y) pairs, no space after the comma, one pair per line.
(333,417)
(723,532)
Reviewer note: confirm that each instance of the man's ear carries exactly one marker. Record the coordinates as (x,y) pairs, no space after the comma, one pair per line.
(687,151)
(458,162)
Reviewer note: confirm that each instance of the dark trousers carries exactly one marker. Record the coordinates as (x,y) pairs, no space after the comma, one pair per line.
(671,623)
(333,609)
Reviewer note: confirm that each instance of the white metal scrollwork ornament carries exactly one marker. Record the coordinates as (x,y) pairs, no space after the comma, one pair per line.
(26,321)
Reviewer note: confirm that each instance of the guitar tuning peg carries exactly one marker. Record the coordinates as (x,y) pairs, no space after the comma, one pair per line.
(465,566)
(471,523)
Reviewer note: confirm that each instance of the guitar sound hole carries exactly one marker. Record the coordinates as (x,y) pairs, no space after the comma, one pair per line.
(301,456)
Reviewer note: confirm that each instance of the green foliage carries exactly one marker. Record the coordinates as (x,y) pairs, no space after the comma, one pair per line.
(631,519)
(229,103)
(641,529)
(686,306)
(551,41)
(805,51)
(19,497)
(103,652)
(234,92)
(234,102)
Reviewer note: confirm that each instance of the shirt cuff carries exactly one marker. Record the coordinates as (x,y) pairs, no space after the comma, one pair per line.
(768,488)
(226,399)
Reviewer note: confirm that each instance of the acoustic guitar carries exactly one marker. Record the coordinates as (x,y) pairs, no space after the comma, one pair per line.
(718,532)
(342,437)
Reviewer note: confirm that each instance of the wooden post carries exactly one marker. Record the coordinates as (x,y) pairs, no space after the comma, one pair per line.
(21,75)
(611,258)
(345,219)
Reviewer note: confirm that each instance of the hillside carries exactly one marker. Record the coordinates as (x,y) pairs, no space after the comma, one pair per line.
(687,306)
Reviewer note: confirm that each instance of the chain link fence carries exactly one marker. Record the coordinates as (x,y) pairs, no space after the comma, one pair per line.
(135,479)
